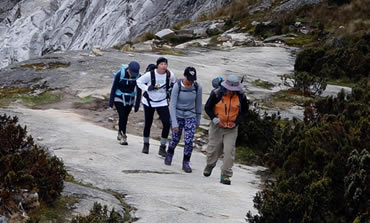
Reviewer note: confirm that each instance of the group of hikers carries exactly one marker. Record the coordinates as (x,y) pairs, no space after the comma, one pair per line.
(179,106)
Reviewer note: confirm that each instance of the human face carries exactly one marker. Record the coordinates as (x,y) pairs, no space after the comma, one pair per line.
(188,82)
(162,67)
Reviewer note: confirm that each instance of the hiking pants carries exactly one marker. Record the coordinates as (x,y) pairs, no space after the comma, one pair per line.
(222,141)
(189,126)
(123,113)
(164,116)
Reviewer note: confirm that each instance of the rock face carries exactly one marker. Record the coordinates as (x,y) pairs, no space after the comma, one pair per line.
(35,27)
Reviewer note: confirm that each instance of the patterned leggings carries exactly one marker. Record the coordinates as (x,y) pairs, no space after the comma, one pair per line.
(189,129)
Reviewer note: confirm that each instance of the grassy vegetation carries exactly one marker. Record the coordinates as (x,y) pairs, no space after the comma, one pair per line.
(47,97)
(178,26)
(171,52)
(285,99)
(247,156)
(85,100)
(59,212)
(263,84)
(342,82)
(9,95)
(45,66)
(302,41)
(144,37)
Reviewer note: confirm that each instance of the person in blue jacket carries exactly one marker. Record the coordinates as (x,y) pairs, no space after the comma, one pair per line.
(123,96)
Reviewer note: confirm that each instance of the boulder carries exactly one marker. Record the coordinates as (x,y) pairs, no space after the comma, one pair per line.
(143,47)
(165,34)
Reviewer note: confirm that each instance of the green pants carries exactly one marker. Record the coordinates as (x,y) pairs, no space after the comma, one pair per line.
(222,141)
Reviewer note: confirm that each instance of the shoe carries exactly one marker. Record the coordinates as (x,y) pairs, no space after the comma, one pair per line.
(123,140)
(162,151)
(145,148)
(119,136)
(208,170)
(186,166)
(168,159)
(225,180)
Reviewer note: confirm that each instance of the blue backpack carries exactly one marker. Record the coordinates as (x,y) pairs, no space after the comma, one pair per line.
(122,77)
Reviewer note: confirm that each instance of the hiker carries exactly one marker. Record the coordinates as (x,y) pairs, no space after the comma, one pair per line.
(123,96)
(225,107)
(156,84)
(185,110)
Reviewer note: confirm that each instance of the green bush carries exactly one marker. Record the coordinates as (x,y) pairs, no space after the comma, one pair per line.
(351,61)
(25,165)
(257,133)
(321,164)
(304,82)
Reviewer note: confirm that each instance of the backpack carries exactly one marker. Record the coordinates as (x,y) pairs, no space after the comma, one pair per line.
(122,77)
(168,86)
(180,87)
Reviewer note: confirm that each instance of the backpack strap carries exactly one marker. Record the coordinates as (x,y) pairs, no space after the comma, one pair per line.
(152,78)
(168,78)
(180,87)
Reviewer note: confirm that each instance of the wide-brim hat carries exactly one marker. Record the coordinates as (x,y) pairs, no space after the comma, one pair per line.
(232,83)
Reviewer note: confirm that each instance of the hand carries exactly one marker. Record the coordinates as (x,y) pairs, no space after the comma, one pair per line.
(176,129)
(215,120)
(231,125)
(151,88)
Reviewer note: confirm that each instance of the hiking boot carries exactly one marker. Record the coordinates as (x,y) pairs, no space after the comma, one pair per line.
(162,151)
(168,159)
(186,166)
(119,136)
(225,180)
(145,148)
(123,140)
(208,170)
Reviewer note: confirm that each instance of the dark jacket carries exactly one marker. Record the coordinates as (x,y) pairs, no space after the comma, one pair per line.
(125,86)
(217,95)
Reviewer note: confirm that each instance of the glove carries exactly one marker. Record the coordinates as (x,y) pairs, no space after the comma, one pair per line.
(151,88)
(216,120)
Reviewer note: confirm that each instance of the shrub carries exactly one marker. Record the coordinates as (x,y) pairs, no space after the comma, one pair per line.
(100,214)
(351,61)
(305,83)
(25,165)
(322,164)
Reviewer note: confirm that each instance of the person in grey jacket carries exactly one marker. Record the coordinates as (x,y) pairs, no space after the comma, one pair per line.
(185,111)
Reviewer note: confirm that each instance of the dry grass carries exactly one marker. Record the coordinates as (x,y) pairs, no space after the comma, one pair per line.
(236,11)
(354,17)
(144,37)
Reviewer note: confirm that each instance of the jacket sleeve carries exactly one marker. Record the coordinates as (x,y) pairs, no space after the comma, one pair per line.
(137,99)
(143,81)
(114,88)
(173,103)
(198,104)
(210,104)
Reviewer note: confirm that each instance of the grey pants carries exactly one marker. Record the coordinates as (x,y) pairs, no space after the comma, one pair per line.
(222,141)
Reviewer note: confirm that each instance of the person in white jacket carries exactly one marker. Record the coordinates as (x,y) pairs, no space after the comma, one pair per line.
(156,84)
